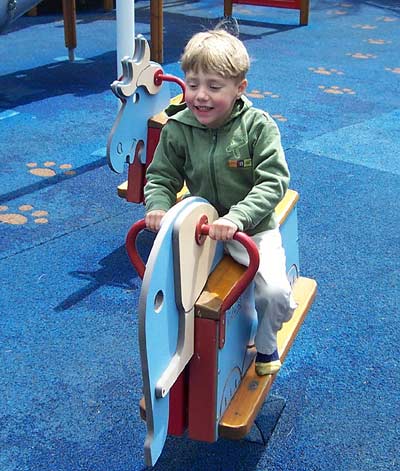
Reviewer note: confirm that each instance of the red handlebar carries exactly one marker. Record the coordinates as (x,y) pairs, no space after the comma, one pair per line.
(239,287)
(248,275)
(130,244)
(160,77)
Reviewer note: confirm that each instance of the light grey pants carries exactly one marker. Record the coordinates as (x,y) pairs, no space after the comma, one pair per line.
(273,298)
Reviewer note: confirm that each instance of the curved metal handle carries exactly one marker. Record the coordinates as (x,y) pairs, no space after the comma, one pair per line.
(240,286)
(130,245)
(248,275)
(160,77)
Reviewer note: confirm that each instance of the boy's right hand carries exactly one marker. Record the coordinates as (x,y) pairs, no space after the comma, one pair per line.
(153,219)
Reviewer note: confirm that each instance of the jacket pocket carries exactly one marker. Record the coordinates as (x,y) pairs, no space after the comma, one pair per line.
(238,156)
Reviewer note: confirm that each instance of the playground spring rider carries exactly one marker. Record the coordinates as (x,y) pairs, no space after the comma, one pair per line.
(196,317)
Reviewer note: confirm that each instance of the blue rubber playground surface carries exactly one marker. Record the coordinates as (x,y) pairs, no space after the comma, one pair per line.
(70,379)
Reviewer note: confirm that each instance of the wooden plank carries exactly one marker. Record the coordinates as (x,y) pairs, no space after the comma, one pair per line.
(122,189)
(156,31)
(248,399)
(158,121)
(304,12)
(285,207)
(108,5)
(218,285)
(228,7)
(69,13)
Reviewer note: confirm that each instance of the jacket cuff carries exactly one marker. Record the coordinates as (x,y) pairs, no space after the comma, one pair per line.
(156,206)
(235,220)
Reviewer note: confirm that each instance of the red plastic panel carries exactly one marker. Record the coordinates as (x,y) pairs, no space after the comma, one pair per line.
(294,4)
(136,173)
(202,416)
(177,424)
(153,136)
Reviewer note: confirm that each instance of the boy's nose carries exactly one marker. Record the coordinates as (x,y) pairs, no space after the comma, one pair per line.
(202,94)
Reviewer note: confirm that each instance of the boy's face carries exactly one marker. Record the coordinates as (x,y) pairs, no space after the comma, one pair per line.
(211,97)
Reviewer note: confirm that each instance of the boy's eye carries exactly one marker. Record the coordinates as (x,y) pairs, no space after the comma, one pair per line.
(215,87)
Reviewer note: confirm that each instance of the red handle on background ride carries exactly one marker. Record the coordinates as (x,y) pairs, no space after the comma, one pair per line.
(240,286)
(160,77)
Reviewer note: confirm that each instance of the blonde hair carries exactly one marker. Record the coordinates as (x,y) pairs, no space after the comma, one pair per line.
(216,51)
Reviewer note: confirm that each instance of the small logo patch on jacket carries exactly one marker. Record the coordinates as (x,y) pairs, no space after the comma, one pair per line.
(243,163)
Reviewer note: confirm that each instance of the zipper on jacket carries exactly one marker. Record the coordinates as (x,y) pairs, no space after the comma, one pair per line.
(212,166)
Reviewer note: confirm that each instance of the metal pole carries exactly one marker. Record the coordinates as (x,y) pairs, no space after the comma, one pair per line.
(125,11)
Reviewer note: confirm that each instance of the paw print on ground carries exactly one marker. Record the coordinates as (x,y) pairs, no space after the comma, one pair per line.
(279,117)
(47,169)
(395,70)
(337,12)
(335,90)
(243,10)
(323,71)
(377,41)
(361,55)
(387,19)
(23,216)
(364,26)
(258,94)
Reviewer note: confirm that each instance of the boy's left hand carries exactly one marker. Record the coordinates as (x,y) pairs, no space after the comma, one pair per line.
(222,229)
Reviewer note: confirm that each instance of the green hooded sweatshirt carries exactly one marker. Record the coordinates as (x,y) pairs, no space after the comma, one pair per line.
(239,168)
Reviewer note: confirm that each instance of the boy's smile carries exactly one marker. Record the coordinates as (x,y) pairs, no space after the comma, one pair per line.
(211,97)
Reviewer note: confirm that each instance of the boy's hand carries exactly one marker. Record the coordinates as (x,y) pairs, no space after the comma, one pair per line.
(222,229)
(153,219)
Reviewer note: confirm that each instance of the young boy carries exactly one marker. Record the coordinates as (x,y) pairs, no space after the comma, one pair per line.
(229,153)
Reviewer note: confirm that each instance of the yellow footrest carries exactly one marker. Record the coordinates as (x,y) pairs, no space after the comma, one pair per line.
(239,417)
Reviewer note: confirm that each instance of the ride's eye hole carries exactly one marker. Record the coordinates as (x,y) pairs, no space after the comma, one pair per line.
(158,301)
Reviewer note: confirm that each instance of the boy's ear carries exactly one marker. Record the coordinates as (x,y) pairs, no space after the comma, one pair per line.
(242,87)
